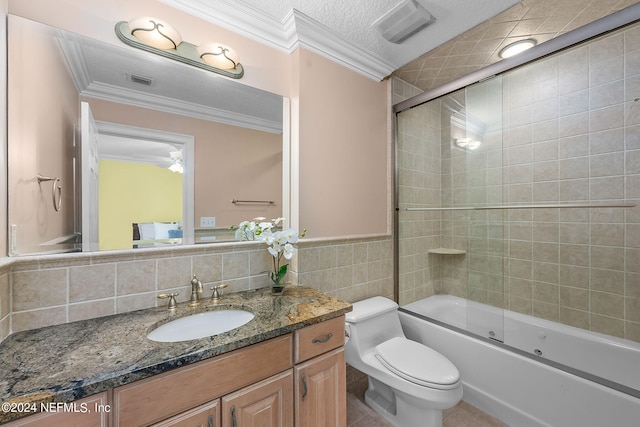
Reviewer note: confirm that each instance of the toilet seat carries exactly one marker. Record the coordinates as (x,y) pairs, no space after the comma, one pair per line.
(417,363)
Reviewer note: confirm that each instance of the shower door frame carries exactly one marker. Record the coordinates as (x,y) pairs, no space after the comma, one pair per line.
(594,29)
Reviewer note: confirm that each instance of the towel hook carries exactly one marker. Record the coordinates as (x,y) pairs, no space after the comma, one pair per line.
(56,190)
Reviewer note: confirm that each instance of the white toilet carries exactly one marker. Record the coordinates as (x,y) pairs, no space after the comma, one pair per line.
(409,383)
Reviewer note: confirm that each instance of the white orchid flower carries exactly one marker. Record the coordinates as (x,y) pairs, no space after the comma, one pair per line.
(265,226)
(267,237)
(292,235)
(273,252)
(289,251)
(281,239)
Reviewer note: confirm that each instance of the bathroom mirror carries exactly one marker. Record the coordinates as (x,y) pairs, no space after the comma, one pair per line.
(149,112)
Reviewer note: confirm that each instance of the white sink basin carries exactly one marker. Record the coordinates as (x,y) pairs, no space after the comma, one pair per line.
(200,325)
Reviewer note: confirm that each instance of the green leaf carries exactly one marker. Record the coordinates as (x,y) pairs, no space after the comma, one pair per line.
(283,270)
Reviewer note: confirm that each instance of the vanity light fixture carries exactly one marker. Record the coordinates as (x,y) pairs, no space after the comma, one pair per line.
(156,36)
(154,33)
(516,47)
(218,55)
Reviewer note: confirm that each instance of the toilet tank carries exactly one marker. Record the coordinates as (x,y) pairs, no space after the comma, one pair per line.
(371,322)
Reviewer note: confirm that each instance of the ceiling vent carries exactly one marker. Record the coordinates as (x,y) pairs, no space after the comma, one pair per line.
(403,21)
(147,81)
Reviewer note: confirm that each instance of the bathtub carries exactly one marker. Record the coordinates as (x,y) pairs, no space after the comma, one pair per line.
(528,371)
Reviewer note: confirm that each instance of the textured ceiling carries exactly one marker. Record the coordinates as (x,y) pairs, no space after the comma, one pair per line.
(352,20)
(467,35)
(341,30)
(479,47)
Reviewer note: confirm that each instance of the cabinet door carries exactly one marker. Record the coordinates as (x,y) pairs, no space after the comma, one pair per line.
(321,391)
(207,415)
(268,403)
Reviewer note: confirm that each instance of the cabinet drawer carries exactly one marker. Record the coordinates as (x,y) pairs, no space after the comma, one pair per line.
(319,338)
(162,396)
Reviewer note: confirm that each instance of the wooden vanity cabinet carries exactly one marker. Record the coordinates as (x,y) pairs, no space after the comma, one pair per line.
(321,391)
(162,396)
(320,375)
(298,379)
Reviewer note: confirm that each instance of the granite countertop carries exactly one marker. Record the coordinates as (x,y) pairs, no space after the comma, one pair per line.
(62,363)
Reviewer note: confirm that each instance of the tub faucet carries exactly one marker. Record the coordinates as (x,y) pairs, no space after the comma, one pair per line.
(196,291)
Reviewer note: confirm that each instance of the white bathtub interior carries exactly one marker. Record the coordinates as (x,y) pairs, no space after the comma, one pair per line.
(520,390)
(608,360)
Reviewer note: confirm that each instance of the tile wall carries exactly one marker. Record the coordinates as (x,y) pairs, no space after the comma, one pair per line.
(54,289)
(571,126)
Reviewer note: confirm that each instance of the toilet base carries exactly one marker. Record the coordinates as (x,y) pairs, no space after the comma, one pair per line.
(399,410)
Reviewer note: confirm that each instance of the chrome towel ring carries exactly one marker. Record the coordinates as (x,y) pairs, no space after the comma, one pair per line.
(56,190)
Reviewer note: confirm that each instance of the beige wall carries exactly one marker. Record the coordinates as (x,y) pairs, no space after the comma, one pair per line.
(343,150)
(46,149)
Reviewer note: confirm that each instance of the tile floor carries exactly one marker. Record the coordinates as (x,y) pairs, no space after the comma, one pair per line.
(461,415)
(360,415)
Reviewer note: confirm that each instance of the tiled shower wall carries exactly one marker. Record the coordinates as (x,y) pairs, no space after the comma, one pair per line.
(571,134)
(54,289)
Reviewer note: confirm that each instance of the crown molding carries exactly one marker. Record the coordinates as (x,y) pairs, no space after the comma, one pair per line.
(297,29)
(319,38)
(87,87)
(242,19)
(171,105)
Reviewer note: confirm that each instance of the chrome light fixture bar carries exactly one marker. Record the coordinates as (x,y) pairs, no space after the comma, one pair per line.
(226,61)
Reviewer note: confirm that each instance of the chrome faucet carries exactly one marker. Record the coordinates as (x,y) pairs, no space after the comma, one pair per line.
(196,291)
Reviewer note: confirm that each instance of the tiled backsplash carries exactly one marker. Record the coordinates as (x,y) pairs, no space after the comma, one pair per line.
(350,269)
(53,289)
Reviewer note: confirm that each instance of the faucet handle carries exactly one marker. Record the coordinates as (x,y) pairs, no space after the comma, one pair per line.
(172,300)
(216,295)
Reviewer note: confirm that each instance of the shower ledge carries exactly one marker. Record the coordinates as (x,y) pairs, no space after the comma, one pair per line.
(447,251)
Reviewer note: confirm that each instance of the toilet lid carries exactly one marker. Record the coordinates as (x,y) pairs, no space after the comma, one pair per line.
(417,363)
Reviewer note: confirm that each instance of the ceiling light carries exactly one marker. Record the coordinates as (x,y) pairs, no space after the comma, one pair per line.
(155,33)
(176,162)
(517,47)
(466,143)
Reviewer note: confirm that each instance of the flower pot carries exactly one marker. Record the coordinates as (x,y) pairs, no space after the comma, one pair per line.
(277,289)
